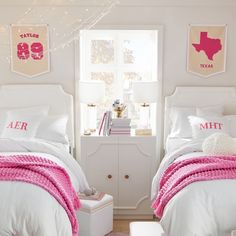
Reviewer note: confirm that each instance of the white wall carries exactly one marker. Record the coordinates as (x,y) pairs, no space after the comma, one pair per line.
(174,15)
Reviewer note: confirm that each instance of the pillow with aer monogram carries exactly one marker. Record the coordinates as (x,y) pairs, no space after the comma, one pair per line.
(34,110)
(20,125)
(202,127)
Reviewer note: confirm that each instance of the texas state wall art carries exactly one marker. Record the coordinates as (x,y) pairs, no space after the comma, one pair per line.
(30,49)
(206,49)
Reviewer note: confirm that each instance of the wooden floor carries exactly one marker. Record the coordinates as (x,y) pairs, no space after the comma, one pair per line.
(122,226)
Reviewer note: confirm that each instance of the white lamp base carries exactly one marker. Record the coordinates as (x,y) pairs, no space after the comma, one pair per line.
(144,120)
(91,122)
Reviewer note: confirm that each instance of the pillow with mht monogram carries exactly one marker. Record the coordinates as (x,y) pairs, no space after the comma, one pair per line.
(19,125)
(202,127)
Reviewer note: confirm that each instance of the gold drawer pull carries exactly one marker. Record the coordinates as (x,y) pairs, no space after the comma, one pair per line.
(126,176)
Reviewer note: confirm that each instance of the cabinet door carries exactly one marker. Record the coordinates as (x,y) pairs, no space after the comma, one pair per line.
(101,165)
(135,172)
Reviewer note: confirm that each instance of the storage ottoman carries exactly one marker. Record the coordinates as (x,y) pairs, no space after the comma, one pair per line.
(96,217)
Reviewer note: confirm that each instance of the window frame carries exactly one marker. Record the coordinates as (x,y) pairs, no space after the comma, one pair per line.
(159,71)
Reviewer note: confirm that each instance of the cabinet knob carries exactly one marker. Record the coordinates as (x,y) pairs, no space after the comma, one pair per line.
(126,176)
(109,176)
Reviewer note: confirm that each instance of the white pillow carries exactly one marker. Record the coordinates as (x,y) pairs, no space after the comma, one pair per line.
(20,125)
(216,110)
(180,126)
(35,110)
(232,125)
(202,127)
(53,128)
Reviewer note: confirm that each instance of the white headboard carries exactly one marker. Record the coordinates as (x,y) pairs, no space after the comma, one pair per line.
(33,95)
(199,96)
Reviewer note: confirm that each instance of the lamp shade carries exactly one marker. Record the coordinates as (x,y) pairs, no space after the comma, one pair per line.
(144,91)
(91,91)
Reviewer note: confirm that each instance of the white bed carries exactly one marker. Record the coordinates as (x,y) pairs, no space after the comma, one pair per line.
(27,209)
(202,208)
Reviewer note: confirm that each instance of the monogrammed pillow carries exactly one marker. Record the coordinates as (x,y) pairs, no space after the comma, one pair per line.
(202,127)
(20,125)
(34,110)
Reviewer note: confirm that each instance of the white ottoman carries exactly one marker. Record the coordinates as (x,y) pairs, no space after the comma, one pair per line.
(96,217)
(146,228)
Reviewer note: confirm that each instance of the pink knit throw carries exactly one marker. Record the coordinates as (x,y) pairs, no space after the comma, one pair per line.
(181,173)
(46,174)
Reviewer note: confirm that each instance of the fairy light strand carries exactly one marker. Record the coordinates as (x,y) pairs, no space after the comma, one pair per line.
(65,39)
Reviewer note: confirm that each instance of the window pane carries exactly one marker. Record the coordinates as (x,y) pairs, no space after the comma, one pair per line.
(102,51)
(128,77)
(137,51)
(128,52)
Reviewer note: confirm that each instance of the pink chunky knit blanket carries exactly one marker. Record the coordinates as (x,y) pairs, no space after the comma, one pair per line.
(46,174)
(182,173)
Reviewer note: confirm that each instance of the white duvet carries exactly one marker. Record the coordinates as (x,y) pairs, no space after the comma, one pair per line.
(28,210)
(206,208)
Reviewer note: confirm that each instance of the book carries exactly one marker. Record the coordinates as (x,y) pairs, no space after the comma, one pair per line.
(107,123)
(95,197)
(121,121)
(102,123)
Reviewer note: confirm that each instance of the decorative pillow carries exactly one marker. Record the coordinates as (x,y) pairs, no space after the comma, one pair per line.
(202,127)
(180,126)
(36,110)
(20,125)
(53,128)
(219,144)
(216,110)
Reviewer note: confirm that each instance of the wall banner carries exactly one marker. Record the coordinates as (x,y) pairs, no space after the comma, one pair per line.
(206,49)
(30,49)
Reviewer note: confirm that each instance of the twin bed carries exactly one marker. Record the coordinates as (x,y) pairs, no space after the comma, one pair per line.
(194,190)
(36,125)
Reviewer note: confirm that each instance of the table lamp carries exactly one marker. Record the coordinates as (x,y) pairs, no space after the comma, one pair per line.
(91,93)
(144,92)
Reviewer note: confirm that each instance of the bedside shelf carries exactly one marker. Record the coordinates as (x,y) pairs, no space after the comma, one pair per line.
(122,166)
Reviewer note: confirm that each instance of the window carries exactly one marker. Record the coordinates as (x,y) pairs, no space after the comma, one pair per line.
(119,57)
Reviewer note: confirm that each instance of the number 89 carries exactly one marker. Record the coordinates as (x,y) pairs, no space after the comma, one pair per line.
(36,49)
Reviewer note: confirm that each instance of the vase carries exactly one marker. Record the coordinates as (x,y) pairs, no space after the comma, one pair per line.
(119,112)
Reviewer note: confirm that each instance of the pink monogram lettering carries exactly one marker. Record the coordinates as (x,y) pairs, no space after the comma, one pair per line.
(29,35)
(18,125)
(211,125)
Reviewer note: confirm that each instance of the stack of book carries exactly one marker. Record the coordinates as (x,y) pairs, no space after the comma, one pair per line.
(120,126)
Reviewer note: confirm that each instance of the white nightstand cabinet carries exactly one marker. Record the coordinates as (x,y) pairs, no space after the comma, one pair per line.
(122,166)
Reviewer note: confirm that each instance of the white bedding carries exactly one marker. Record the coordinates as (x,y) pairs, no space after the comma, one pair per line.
(28,210)
(206,208)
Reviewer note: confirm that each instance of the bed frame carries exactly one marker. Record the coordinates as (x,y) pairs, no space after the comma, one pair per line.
(197,97)
(17,96)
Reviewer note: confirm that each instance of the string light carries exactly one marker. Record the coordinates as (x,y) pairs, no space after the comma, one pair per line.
(73,23)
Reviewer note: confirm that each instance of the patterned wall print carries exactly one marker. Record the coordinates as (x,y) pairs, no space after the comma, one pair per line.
(206,50)
(30,49)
